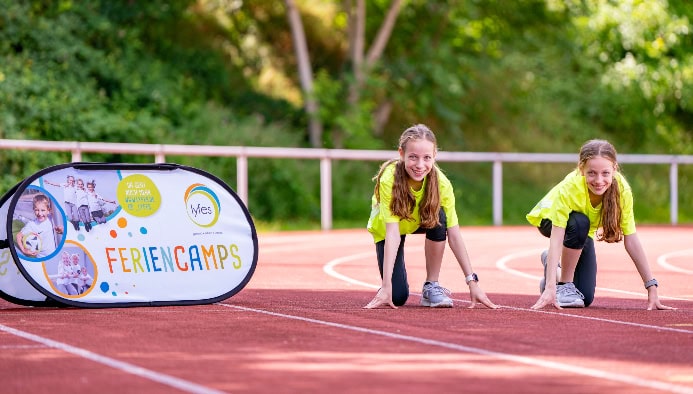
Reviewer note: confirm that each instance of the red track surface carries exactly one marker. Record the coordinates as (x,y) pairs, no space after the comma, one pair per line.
(299,326)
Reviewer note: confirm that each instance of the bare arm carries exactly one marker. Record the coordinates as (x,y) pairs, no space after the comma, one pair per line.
(637,254)
(548,297)
(460,251)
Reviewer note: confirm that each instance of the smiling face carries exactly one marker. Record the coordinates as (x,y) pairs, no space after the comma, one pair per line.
(418,156)
(41,210)
(599,175)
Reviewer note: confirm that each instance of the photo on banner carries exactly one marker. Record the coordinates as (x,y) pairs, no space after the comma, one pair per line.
(13,286)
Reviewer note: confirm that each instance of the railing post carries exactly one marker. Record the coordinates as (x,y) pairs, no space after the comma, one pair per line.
(674,193)
(159,156)
(326,193)
(76,153)
(498,192)
(242,178)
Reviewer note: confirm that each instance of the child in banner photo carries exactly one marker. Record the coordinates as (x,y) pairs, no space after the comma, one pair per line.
(96,202)
(594,200)
(63,279)
(37,237)
(82,203)
(75,272)
(85,279)
(69,201)
(413,196)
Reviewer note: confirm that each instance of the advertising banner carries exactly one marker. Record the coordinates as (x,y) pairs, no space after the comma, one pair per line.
(113,235)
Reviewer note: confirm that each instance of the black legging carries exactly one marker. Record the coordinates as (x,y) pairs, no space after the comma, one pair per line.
(400,285)
(576,237)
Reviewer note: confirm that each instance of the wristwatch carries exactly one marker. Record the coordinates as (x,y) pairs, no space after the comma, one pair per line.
(473,277)
(651,282)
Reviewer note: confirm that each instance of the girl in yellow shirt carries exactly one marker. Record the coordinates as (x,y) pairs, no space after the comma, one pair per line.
(413,196)
(594,200)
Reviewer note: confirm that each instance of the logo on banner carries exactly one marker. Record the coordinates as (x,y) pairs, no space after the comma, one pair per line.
(202,205)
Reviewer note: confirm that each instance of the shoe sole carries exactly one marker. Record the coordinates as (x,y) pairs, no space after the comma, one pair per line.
(542,285)
(542,282)
(574,304)
(443,304)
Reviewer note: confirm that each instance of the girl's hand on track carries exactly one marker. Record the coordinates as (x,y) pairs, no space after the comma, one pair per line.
(658,305)
(478,295)
(383,297)
(548,297)
(654,303)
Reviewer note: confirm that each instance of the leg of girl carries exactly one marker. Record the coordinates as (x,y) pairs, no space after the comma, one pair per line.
(433,294)
(574,255)
(578,262)
(585,278)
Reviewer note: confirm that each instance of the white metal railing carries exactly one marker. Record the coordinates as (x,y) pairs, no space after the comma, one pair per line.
(242,153)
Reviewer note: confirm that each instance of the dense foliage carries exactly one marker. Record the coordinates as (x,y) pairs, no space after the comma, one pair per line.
(493,75)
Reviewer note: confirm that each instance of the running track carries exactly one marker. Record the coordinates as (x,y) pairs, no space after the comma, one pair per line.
(299,327)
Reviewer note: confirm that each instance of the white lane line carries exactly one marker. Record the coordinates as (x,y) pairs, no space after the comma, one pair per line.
(662,261)
(5,347)
(167,380)
(601,320)
(502,264)
(329,269)
(569,368)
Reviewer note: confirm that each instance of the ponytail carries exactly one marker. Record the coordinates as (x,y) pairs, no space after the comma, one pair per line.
(611,215)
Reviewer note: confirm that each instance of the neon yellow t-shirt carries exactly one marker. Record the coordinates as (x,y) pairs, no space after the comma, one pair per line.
(571,194)
(381,214)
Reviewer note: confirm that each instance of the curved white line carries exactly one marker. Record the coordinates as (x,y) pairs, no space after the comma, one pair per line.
(329,269)
(662,261)
(501,264)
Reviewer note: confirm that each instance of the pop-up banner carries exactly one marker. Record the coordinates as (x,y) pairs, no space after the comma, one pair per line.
(112,235)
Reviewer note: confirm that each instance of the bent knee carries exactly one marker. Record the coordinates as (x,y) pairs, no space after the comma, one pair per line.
(400,299)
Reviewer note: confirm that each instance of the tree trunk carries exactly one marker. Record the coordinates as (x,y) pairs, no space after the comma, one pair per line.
(383,34)
(305,74)
(357,25)
(357,21)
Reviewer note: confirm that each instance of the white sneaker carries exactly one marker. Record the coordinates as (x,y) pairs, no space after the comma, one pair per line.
(435,296)
(569,296)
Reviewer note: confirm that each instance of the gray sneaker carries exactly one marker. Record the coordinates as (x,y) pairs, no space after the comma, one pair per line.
(569,296)
(542,282)
(435,296)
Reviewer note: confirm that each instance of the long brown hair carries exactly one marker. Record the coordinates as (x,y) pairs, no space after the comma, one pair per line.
(611,201)
(402,203)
